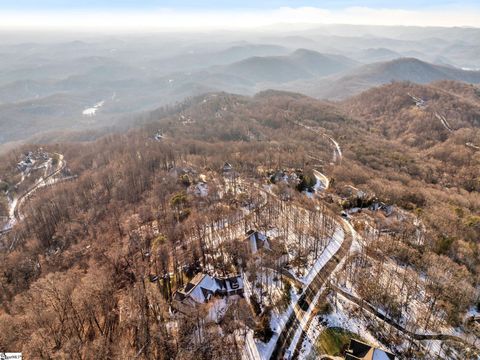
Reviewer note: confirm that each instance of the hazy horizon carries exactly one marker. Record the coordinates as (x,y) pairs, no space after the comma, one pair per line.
(131,16)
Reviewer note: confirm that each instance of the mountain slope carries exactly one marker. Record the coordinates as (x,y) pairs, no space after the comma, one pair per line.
(301,64)
(404,69)
(411,69)
(392,111)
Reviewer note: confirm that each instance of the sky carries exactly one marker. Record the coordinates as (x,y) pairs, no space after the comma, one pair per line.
(227,4)
(139,15)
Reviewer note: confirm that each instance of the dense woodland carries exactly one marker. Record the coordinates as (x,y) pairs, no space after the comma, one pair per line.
(75,273)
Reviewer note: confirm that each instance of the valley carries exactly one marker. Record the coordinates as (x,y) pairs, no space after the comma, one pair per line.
(55,89)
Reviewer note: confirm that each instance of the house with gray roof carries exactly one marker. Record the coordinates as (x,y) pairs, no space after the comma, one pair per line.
(203,287)
(358,350)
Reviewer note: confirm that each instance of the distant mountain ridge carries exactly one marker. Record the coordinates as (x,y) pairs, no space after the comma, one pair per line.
(361,78)
(197,60)
(300,64)
(412,69)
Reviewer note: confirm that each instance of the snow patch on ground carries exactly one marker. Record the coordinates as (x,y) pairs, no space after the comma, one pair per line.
(91,111)
(322,181)
(328,252)
(201,189)
(217,310)
(343,316)
(277,323)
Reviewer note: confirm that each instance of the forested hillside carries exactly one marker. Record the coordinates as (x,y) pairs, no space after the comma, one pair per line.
(91,266)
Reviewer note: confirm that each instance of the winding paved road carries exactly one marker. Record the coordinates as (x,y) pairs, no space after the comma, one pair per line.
(39,184)
(309,297)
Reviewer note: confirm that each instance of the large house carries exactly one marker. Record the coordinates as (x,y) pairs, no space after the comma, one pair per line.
(359,350)
(203,287)
(256,240)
